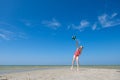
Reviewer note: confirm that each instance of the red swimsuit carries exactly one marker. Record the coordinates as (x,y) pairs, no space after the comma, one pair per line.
(77,52)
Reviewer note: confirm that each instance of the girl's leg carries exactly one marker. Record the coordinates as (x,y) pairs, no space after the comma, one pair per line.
(77,61)
(73,62)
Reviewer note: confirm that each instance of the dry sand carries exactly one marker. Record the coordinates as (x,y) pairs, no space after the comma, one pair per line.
(65,74)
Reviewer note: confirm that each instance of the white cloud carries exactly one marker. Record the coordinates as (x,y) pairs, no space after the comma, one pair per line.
(108,21)
(26,22)
(104,21)
(83,24)
(5,34)
(22,35)
(94,27)
(4,24)
(9,32)
(113,15)
(54,24)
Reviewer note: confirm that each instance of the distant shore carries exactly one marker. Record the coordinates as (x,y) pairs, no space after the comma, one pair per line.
(61,73)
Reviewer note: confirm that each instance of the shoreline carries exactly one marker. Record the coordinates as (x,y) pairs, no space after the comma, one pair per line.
(9,69)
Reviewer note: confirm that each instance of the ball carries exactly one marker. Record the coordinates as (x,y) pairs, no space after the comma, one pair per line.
(73,37)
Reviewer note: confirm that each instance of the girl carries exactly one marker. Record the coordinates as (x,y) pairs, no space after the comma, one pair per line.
(76,55)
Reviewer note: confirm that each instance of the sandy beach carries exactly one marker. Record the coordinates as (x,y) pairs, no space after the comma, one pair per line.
(65,73)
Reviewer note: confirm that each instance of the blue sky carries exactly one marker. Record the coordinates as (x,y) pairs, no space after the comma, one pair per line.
(38,32)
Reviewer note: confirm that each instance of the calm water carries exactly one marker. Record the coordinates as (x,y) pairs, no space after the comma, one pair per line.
(22,68)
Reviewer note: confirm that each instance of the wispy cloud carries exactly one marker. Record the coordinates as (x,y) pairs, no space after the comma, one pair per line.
(108,21)
(22,35)
(8,31)
(83,24)
(94,27)
(114,15)
(54,24)
(5,34)
(104,21)
(26,22)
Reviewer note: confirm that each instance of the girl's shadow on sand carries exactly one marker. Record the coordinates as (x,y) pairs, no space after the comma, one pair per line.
(118,71)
